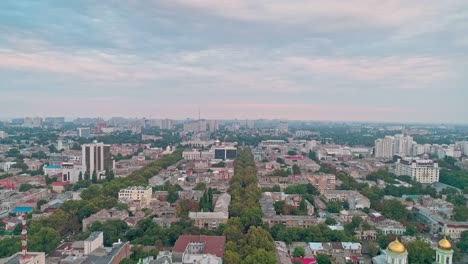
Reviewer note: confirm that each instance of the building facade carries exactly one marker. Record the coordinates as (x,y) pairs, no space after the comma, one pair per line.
(139,194)
(384,147)
(423,171)
(96,157)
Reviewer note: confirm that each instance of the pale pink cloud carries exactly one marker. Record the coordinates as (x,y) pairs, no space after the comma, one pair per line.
(415,71)
(408,17)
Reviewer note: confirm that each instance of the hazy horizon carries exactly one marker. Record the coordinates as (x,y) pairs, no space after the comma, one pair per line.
(363,61)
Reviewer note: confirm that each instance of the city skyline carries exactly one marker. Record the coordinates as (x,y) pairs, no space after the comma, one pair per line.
(353,61)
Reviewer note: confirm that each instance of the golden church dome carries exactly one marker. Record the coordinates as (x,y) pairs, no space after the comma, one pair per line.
(396,247)
(445,244)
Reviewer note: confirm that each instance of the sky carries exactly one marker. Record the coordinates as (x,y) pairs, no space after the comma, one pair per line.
(354,60)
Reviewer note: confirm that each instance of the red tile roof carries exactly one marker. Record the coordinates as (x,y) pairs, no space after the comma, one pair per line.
(306,260)
(213,244)
(60,183)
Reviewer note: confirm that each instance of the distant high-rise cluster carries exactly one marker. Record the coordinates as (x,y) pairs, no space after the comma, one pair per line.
(32,122)
(283,126)
(167,124)
(405,146)
(389,146)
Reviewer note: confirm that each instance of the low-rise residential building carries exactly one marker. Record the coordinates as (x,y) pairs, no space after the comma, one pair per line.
(211,220)
(292,220)
(331,248)
(59,186)
(71,172)
(363,234)
(346,216)
(390,227)
(190,249)
(52,170)
(322,182)
(139,194)
(103,216)
(440,225)
(354,198)
(282,253)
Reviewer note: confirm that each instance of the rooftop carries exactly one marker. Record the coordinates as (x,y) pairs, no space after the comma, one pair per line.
(213,244)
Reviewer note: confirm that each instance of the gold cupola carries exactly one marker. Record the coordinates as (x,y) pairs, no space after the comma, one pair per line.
(444,244)
(396,247)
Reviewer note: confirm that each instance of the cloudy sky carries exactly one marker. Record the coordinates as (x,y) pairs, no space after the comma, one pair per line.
(312,60)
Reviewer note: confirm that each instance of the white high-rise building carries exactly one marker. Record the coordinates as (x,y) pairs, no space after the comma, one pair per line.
(423,171)
(403,145)
(283,126)
(384,147)
(84,132)
(418,149)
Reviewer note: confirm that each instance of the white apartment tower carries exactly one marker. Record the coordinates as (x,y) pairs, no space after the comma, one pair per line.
(384,147)
(403,145)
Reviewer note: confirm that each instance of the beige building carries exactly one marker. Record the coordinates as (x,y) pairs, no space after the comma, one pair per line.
(354,198)
(322,182)
(103,216)
(211,220)
(93,242)
(139,194)
(303,221)
(423,171)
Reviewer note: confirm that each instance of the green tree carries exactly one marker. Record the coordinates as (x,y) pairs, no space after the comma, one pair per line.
(231,257)
(312,155)
(172,196)
(110,175)
(46,240)
(460,213)
(296,169)
(94,177)
(261,256)
(13,152)
(303,206)
(80,176)
(463,243)
(40,203)
(373,249)
(9,246)
(53,149)
(233,230)
(323,259)
(334,207)
(113,230)
(121,206)
(420,252)
(330,221)
(201,186)
(257,238)
(394,209)
(251,217)
(299,252)
(25,187)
